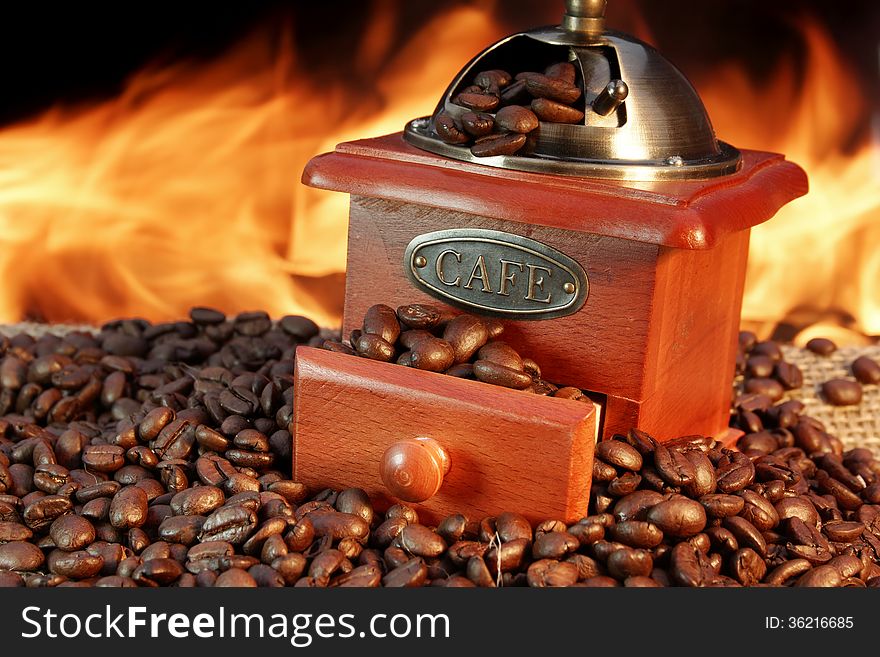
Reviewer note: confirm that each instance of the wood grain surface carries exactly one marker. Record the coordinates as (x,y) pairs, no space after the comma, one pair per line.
(602,347)
(657,334)
(680,214)
(665,263)
(509,450)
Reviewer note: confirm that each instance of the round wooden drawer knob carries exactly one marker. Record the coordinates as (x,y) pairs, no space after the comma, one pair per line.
(413,469)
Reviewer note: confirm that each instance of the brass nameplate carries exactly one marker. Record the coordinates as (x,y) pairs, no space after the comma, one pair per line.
(497,273)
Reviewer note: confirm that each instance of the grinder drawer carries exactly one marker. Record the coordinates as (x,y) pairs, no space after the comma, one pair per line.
(441,444)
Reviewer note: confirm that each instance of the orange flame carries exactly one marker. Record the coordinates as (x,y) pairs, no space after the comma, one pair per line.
(820,256)
(185,190)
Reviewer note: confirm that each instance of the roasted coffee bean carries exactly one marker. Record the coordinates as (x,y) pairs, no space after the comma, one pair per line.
(704,474)
(734,473)
(848,565)
(515,94)
(325,564)
(493,145)
(551,573)
(843,531)
(302,329)
(374,347)
(688,566)
(542,86)
(495,78)
(355,501)
(554,545)
(76,565)
(128,508)
(821,576)
(176,439)
(602,472)
(50,477)
(160,571)
(339,525)
(821,346)
(338,347)
(432,354)
(103,458)
(272,527)
(366,576)
(619,454)
(490,372)
(413,573)
(759,366)
(587,533)
(767,348)
(842,392)
(797,507)
(678,516)
(9,579)
(419,316)
(477,102)
(449,130)
(758,510)
(13,531)
(515,118)
(635,506)
(502,354)
(477,124)
(768,387)
(624,484)
(637,534)
(42,512)
(20,556)
(207,316)
(866,370)
(421,541)
(235,578)
(630,563)
(229,523)
(553,112)
(673,466)
(746,534)
(844,497)
(789,375)
(252,323)
(562,70)
(201,500)
(381,320)
(786,571)
(72,533)
(748,567)
(452,528)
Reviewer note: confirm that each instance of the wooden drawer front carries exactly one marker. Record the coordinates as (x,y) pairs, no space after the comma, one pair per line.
(509,450)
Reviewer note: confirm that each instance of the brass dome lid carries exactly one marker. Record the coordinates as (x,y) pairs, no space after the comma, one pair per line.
(642,119)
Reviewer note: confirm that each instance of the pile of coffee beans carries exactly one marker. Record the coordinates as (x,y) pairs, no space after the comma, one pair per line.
(504,110)
(840,391)
(788,508)
(159,455)
(767,373)
(428,338)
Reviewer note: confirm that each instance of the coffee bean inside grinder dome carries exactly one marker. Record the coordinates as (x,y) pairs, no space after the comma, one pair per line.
(504,110)
(121,466)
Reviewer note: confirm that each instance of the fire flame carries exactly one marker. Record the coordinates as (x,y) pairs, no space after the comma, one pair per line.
(185,189)
(820,255)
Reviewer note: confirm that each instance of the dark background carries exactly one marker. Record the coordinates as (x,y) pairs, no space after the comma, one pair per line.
(74,52)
